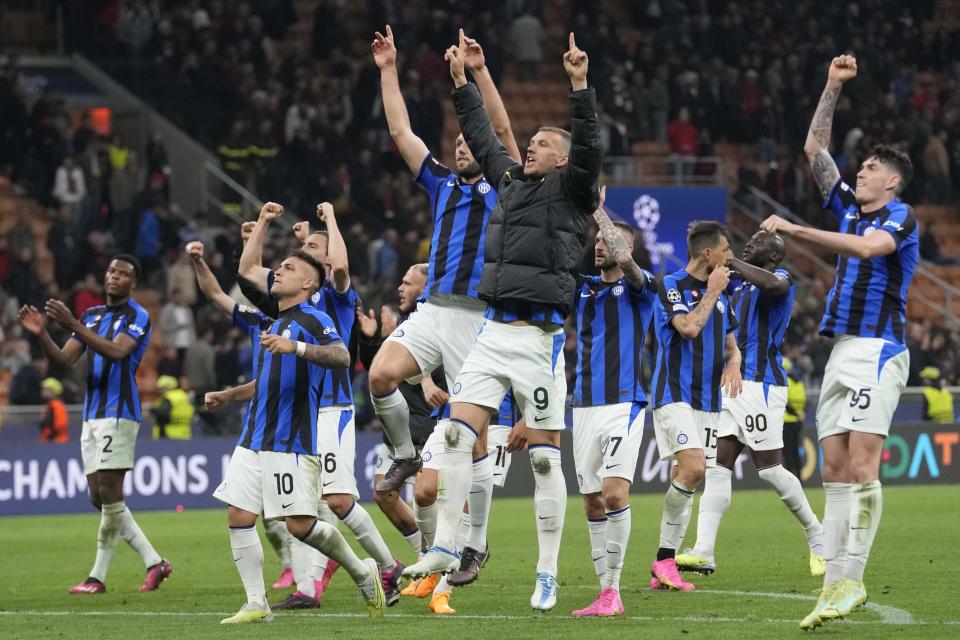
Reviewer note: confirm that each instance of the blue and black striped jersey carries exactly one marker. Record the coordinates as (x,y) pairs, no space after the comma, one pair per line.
(612,320)
(283,413)
(869,297)
(112,384)
(460,215)
(763,320)
(689,370)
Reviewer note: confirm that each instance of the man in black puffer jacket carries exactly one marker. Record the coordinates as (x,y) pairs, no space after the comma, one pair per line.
(533,242)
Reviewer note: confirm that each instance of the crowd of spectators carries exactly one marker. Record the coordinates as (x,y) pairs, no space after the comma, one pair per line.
(300,124)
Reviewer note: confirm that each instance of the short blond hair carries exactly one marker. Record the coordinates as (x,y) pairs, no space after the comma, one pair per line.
(563,133)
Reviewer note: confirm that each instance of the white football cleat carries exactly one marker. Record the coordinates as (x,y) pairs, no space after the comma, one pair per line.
(544,595)
(435,560)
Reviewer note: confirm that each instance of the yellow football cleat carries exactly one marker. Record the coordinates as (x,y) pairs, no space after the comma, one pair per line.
(440,604)
(372,594)
(690,560)
(427,585)
(411,588)
(812,621)
(249,613)
(847,596)
(818,566)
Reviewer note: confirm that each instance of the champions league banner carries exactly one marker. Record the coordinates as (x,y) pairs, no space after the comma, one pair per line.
(178,475)
(663,214)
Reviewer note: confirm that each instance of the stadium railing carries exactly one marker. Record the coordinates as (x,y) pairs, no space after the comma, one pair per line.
(663,171)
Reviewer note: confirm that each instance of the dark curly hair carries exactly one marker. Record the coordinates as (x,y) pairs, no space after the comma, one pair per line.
(895,159)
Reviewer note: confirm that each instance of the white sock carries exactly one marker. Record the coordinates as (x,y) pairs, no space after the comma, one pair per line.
(790,490)
(367,534)
(455,479)
(415,540)
(618,535)
(280,539)
(394,413)
(426,518)
(865,511)
(111,523)
(481,492)
(713,504)
(302,562)
(836,514)
(598,546)
(134,536)
(442,585)
(328,540)
(463,532)
(677,507)
(550,504)
(248,556)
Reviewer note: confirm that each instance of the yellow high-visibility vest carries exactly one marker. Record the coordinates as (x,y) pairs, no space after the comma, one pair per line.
(939,405)
(796,399)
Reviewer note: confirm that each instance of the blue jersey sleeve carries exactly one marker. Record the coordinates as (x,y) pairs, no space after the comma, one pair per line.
(900,224)
(322,333)
(731,318)
(431,176)
(84,320)
(671,298)
(842,200)
(649,284)
(136,325)
(249,319)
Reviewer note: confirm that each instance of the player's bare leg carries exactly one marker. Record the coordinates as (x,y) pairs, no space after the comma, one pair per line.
(393,364)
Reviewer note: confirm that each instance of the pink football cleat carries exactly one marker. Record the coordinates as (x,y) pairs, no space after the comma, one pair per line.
(155,575)
(332,566)
(285,580)
(669,576)
(589,610)
(88,587)
(609,604)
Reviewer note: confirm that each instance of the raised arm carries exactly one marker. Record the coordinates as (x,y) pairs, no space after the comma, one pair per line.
(689,325)
(847,244)
(336,249)
(206,280)
(617,246)
(475,61)
(764,280)
(251,261)
(474,119)
(411,147)
(35,323)
(817,145)
(583,170)
(117,349)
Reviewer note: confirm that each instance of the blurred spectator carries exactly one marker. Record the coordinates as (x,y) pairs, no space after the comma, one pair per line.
(683,142)
(69,186)
(936,164)
(172,411)
(176,325)
(937,400)
(930,248)
(88,294)
(55,423)
(526,39)
(25,386)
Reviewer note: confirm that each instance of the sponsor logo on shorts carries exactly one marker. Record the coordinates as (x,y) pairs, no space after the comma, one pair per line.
(426,456)
(580,479)
(398,333)
(682,438)
(457,388)
(286,506)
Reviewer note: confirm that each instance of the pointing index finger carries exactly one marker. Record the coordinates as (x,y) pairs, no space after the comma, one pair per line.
(573,42)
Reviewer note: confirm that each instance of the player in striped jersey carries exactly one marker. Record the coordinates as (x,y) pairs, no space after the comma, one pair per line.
(117,335)
(448,320)
(274,468)
(337,445)
(697,356)
(762,300)
(613,313)
(878,249)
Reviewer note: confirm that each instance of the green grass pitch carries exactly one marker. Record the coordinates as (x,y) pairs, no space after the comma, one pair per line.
(761,590)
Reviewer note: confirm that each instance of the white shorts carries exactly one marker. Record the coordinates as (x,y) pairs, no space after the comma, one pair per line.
(337,450)
(384,460)
(861,386)
(432,452)
(755,417)
(606,443)
(278,484)
(438,334)
(679,426)
(524,357)
(497,449)
(108,444)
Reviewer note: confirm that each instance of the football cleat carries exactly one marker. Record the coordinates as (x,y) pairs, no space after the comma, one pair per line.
(400,470)
(544,595)
(155,575)
(249,613)
(324,583)
(88,587)
(609,604)
(665,571)
(298,600)
(286,579)
(656,585)
(391,583)
(470,562)
(411,589)
(440,604)
(813,620)
(818,566)
(588,611)
(690,560)
(372,591)
(427,585)
(435,560)
(847,596)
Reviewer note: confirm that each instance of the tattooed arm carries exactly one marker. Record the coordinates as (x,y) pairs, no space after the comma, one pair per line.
(617,246)
(817,146)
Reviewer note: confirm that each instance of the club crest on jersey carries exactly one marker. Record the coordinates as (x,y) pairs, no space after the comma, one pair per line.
(117,323)
(868,231)
(483,188)
(315,298)
(682,438)
(673,295)
(720,306)
(286,333)
(618,290)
